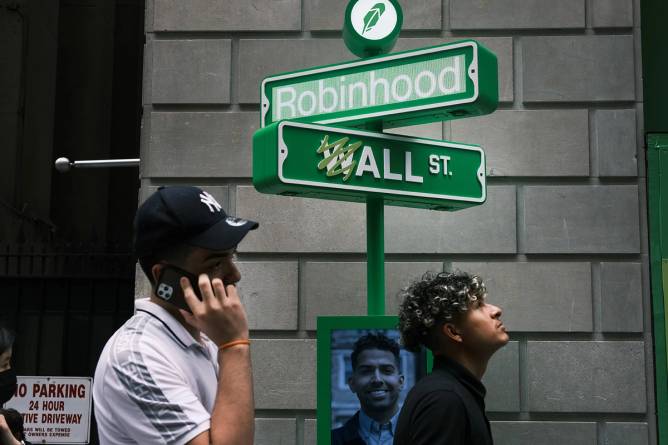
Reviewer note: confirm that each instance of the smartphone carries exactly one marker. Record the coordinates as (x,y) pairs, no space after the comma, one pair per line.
(169,286)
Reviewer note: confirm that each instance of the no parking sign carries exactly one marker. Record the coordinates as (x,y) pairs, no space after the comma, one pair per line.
(54,409)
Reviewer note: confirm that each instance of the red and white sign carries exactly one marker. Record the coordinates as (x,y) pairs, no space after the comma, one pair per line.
(54,409)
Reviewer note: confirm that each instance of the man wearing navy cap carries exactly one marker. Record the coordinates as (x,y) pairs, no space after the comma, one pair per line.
(176,376)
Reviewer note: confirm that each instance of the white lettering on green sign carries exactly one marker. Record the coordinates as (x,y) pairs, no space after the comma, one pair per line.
(368,164)
(435,164)
(385,86)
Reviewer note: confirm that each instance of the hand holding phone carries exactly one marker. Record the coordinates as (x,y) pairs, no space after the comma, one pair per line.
(218,313)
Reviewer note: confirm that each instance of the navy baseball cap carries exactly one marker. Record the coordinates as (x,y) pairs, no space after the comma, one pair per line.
(188,215)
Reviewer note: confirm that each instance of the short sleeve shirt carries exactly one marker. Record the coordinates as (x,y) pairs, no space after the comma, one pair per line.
(154,383)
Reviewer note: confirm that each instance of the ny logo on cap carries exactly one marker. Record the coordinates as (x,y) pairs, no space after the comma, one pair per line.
(210,201)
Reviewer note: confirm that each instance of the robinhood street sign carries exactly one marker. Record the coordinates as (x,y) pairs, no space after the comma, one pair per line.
(295,158)
(425,85)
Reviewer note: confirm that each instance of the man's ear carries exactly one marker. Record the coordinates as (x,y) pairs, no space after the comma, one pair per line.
(351,385)
(452,332)
(155,272)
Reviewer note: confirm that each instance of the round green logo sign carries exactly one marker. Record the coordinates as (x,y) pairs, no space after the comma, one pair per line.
(371,27)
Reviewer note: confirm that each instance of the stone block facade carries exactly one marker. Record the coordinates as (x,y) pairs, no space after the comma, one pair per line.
(561,241)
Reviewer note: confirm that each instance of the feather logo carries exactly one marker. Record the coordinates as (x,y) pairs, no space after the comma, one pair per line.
(371,18)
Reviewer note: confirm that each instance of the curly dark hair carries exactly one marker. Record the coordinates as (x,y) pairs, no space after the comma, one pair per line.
(433,300)
(374,341)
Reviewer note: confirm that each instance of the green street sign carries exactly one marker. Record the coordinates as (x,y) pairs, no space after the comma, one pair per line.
(371,27)
(311,160)
(429,84)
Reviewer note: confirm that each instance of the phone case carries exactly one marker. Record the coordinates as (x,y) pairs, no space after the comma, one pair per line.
(169,286)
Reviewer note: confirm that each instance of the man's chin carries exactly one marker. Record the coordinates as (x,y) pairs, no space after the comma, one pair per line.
(379,406)
(500,343)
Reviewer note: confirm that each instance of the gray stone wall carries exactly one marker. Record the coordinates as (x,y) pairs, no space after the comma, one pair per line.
(561,241)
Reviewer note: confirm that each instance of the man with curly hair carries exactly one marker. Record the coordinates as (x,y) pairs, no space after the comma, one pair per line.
(377,382)
(448,313)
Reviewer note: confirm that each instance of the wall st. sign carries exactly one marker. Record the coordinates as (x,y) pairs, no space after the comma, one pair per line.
(346,164)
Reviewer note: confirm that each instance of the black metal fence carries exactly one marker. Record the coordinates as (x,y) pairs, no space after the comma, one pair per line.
(64,307)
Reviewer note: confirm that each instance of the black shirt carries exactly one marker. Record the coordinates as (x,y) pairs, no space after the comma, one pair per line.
(348,434)
(445,408)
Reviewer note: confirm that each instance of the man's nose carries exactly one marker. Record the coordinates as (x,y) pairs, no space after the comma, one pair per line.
(496,311)
(233,275)
(375,376)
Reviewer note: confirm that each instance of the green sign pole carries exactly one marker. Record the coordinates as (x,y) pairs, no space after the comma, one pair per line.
(375,256)
(375,247)
(371,27)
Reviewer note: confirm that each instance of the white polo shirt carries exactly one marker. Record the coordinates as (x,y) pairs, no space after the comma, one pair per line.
(154,383)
